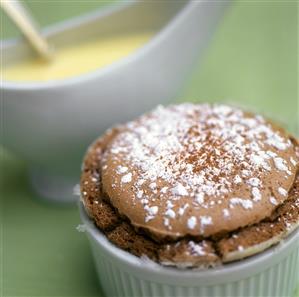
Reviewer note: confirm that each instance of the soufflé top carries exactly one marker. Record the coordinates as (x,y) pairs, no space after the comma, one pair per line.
(189,181)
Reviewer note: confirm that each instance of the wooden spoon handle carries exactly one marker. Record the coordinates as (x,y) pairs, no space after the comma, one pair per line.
(24,21)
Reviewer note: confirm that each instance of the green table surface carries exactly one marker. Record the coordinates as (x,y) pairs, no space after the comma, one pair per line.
(252,61)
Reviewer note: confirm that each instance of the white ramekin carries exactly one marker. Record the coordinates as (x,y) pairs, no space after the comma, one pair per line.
(274,272)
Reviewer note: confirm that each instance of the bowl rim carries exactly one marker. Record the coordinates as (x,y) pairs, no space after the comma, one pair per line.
(227,272)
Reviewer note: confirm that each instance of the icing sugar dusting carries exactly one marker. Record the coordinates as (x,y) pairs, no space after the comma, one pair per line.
(196,249)
(81,228)
(282,191)
(245,203)
(122,169)
(139,194)
(237,179)
(151,212)
(127,178)
(179,189)
(192,222)
(256,194)
(292,160)
(226,213)
(277,141)
(200,152)
(204,221)
(280,164)
(255,182)
(199,198)
(273,200)
(170,213)
(182,209)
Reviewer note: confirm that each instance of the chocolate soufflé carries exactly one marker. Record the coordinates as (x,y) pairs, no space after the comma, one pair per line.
(193,185)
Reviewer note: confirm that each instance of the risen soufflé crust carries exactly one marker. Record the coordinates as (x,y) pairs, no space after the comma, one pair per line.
(193,185)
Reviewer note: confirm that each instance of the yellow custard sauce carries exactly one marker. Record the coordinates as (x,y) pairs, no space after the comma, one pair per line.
(76,59)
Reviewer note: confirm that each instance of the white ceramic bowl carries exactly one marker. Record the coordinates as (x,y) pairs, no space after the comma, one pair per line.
(51,123)
(274,272)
